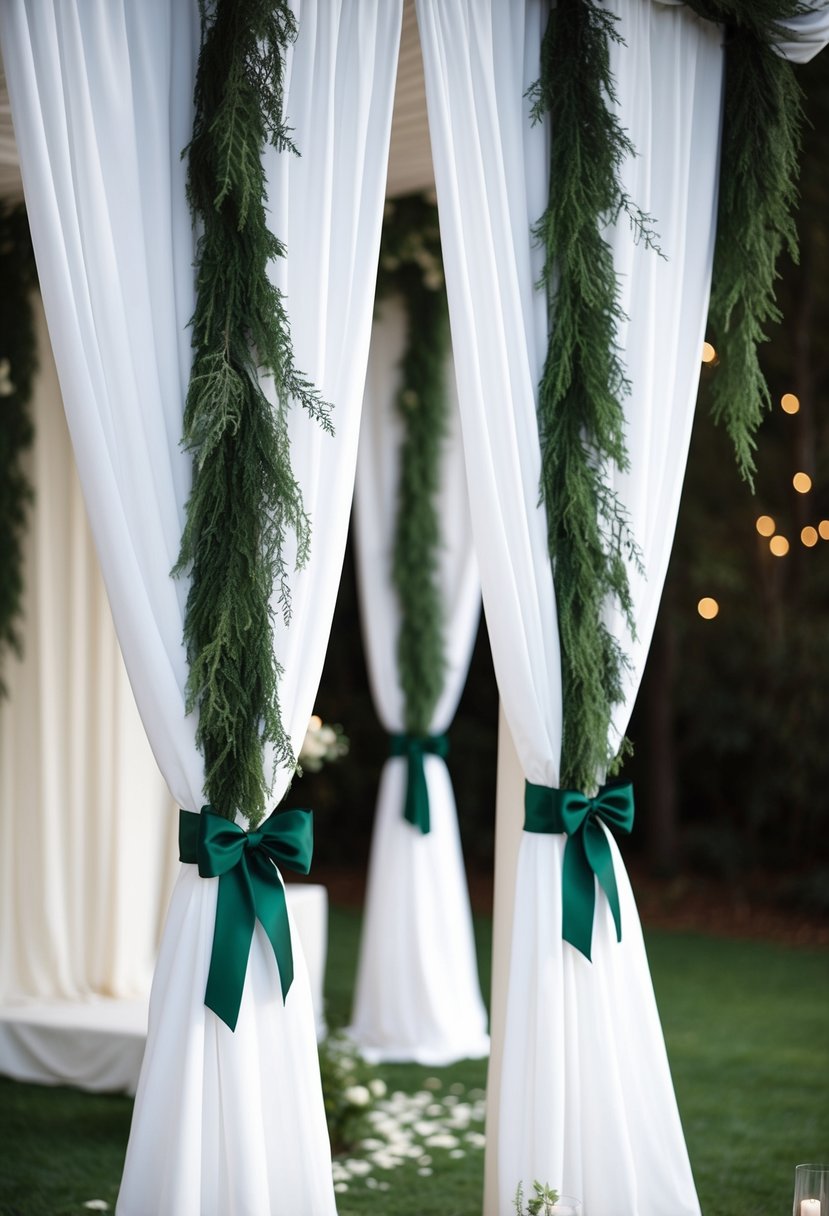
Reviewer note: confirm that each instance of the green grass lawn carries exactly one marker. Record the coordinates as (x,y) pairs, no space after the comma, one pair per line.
(747,1028)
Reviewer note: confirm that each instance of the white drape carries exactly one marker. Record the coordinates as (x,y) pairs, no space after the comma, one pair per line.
(586,1096)
(417,995)
(88,852)
(101,97)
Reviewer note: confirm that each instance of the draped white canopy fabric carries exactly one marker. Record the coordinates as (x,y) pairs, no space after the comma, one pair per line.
(417,995)
(586,1096)
(101,98)
(82,889)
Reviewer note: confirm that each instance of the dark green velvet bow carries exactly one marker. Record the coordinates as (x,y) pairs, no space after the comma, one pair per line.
(414,748)
(250,889)
(587,852)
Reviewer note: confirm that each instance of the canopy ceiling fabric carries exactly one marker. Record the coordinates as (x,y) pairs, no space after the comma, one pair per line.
(102,98)
(417,995)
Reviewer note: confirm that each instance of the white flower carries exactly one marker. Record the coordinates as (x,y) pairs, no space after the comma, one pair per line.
(443,1140)
(377,1087)
(96,1205)
(357,1095)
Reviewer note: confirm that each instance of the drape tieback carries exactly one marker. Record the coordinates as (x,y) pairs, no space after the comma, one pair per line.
(414,748)
(587,852)
(250,889)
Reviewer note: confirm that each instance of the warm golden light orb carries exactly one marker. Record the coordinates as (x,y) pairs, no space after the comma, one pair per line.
(708,353)
(808,536)
(823,529)
(789,403)
(708,608)
(802,482)
(765,525)
(779,546)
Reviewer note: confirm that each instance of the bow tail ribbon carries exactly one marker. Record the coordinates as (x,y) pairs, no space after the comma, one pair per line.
(414,748)
(587,856)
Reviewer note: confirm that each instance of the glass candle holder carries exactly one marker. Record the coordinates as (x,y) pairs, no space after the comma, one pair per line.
(567,1206)
(811,1190)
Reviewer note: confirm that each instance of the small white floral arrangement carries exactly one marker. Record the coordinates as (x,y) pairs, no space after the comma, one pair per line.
(350,1090)
(323,743)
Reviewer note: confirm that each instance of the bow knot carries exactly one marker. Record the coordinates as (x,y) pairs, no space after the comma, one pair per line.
(414,748)
(250,889)
(587,855)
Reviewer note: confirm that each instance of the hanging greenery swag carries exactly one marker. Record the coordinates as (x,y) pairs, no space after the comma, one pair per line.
(18,364)
(583,386)
(580,410)
(762,129)
(411,268)
(245,501)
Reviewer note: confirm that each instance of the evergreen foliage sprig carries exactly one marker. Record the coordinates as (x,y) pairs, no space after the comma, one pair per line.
(762,126)
(18,364)
(580,410)
(245,502)
(411,267)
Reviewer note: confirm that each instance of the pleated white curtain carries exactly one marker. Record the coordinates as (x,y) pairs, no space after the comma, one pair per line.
(586,1102)
(417,993)
(82,889)
(101,96)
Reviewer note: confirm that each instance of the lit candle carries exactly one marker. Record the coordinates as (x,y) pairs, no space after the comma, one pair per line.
(810,1207)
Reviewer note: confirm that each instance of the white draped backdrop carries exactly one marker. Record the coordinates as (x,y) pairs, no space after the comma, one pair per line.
(102,102)
(89,837)
(417,995)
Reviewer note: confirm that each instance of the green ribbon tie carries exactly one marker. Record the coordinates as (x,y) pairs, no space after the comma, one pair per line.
(414,748)
(250,889)
(587,853)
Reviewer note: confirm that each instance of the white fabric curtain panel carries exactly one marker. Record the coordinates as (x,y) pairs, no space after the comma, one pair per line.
(417,994)
(587,1102)
(89,837)
(101,96)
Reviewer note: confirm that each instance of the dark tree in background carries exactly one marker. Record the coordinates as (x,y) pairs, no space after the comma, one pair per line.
(741,699)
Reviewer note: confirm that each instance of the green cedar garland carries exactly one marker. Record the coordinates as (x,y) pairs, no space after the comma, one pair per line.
(410,265)
(18,364)
(245,501)
(763,119)
(581,418)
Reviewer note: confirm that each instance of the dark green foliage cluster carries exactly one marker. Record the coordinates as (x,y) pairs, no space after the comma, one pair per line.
(245,501)
(758,193)
(18,363)
(410,266)
(581,418)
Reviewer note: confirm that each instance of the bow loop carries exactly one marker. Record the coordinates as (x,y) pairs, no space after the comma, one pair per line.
(250,889)
(587,854)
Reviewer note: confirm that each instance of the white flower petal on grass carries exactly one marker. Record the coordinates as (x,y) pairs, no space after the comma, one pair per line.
(476,1139)
(458,1152)
(435,1111)
(432,1083)
(424,1128)
(443,1140)
(425,1171)
(358,1167)
(340,1187)
(95,1205)
(377,1087)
